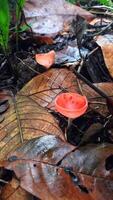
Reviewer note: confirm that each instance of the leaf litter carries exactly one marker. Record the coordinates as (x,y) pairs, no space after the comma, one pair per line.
(33,140)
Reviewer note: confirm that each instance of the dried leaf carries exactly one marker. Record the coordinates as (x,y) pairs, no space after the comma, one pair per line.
(93,166)
(43,40)
(51,17)
(39,168)
(46,59)
(84,173)
(44,88)
(106,44)
(13,191)
(25,120)
(98,21)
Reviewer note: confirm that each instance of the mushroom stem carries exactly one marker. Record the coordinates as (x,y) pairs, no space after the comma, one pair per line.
(69,123)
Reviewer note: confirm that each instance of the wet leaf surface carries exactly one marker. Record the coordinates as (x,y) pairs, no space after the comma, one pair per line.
(70,54)
(85,172)
(46,17)
(13,191)
(48,149)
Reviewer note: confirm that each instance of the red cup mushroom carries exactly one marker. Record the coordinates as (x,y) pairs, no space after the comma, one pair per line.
(71,105)
(46,59)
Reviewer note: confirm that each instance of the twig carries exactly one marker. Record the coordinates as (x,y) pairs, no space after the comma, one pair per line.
(27,65)
(3,181)
(97,102)
(100,92)
(78,80)
(102,31)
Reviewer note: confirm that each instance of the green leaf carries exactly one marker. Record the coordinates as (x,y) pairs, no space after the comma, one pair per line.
(23,28)
(19,7)
(4,24)
(106,2)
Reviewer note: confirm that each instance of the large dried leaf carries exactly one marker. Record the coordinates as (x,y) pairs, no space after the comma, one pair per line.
(13,191)
(85,173)
(51,17)
(25,120)
(106,44)
(44,88)
(38,171)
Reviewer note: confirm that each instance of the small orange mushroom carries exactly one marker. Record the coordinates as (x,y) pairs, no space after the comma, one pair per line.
(46,59)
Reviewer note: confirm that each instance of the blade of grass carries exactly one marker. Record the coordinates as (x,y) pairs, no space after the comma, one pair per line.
(4,25)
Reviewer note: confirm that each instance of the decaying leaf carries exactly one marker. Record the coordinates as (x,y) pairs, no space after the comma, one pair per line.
(84,173)
(13,191)
(24,120)
(70,54)
(51,17)
(48,149)
(98,21)
(106,44)
(93,164)
(40,158)
(43,40)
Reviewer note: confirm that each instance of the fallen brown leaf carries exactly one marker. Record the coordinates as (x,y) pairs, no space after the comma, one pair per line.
(13,191)
(24,120)
(44,88)
(84,173)
(93,166)
(106,44)
(43,40)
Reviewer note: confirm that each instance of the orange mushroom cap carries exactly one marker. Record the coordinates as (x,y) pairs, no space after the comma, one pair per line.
(71,105)
(46,59)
